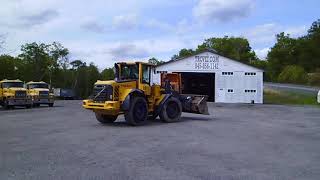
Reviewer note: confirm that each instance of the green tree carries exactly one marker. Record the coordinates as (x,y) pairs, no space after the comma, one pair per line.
(310,48)
(314,78)
(76,64)
(59,55)
(293,74)
(107,74)
(83,77)
(282,54)
(93,76)
(303,51)
(36,59)
(46,62)
(155,61)
(183,53)
(58,59)
(7,67)
(236,48)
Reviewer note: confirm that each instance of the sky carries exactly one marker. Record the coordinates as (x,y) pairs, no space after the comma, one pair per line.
(106,31)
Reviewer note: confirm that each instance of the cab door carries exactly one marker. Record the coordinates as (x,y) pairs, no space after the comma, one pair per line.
(145,78)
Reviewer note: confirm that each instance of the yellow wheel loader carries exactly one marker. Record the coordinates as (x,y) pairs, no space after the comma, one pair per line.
(132,94)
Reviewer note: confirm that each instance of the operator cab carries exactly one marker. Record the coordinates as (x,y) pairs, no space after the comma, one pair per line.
(129,72)
(138,71)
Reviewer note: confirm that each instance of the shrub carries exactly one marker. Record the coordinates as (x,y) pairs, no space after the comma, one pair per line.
(314,79)
(293,74)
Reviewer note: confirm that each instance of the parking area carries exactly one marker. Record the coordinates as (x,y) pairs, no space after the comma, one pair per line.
(234,142)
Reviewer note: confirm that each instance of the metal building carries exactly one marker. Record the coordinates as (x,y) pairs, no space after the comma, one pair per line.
(224,80)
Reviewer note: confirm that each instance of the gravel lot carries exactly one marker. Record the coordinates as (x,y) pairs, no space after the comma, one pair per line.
(235,142)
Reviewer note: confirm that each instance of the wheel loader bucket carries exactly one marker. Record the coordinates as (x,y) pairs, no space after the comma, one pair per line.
(195,104)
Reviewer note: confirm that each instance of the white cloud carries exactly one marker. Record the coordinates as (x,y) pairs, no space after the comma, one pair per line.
(93,26)
(262,33)
(222,10)
(119,23)
(262,53)
(156,24)
(128,50)
(297,31)
(182,27)
(265,34)
(105,54)
(25,14)
(128,21)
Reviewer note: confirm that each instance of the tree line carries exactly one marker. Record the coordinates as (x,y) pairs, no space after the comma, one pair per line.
(50,63)
(292,60)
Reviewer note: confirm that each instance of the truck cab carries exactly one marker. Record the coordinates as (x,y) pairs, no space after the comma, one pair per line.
(13,93)
(40,93)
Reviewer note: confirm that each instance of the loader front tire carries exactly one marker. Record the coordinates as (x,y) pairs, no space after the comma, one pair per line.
(105,119)
(171,110)
(138,112)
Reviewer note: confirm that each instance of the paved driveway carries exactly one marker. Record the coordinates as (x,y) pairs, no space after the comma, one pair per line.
(235,142)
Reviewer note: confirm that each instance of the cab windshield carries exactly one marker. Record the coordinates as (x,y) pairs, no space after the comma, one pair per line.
(129,72)
(40,85)
(12,85)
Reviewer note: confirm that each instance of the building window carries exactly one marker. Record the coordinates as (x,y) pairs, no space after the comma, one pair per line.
(227,73)
(250,90)
(230,90)
(250,74)
(159,72)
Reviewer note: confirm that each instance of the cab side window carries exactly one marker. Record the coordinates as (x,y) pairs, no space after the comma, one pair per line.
(145,74)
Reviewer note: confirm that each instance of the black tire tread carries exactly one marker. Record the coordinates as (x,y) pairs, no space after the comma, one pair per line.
(129,115)
(105,119)
(163,113)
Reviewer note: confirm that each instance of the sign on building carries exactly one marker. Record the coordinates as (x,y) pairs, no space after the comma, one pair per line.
(206,62)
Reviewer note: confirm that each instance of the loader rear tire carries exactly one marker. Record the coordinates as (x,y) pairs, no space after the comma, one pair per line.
(105,119)
(171,110)
(138,112)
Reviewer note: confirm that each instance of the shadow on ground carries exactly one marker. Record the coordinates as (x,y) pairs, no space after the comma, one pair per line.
(156,122)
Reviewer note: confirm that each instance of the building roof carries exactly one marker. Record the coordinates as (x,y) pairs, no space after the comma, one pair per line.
(203,51)
(135,62)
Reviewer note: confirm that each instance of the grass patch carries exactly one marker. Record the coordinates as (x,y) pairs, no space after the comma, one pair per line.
(283,97)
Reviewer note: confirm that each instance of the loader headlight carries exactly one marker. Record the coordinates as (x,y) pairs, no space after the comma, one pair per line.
(110,97)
